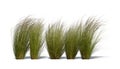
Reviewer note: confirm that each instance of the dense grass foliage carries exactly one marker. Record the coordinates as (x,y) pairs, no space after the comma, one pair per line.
(55,41)
(36,41)
(71,42)
(21,39)
(88,37)
(29,34)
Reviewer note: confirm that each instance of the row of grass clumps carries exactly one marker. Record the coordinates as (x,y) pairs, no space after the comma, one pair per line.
(83,37)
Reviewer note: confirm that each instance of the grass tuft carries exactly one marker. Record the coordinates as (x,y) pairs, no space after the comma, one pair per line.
(21,39)
(55,41)
(71,42)
(88,37)
(36,41)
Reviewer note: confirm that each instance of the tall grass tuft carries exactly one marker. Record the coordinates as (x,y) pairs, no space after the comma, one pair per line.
(88,37)
(21,39)
(71,42)
(55,41)
(36,41)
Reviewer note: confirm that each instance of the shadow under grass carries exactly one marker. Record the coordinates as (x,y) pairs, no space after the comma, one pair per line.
(63,58)
(41,57)
(92,57)
(57,59)
(45,57)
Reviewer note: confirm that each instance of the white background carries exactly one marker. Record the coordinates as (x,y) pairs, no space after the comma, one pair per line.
(12,11)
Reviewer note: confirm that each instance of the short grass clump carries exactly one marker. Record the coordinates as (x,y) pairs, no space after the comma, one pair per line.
(36,41)
(88,37)
(21,39)
(71,42)
(55,41)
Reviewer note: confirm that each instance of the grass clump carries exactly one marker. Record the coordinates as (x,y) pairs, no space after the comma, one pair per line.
(21,39)
(88,37)
(36,41)
(71,42)
(55,41)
